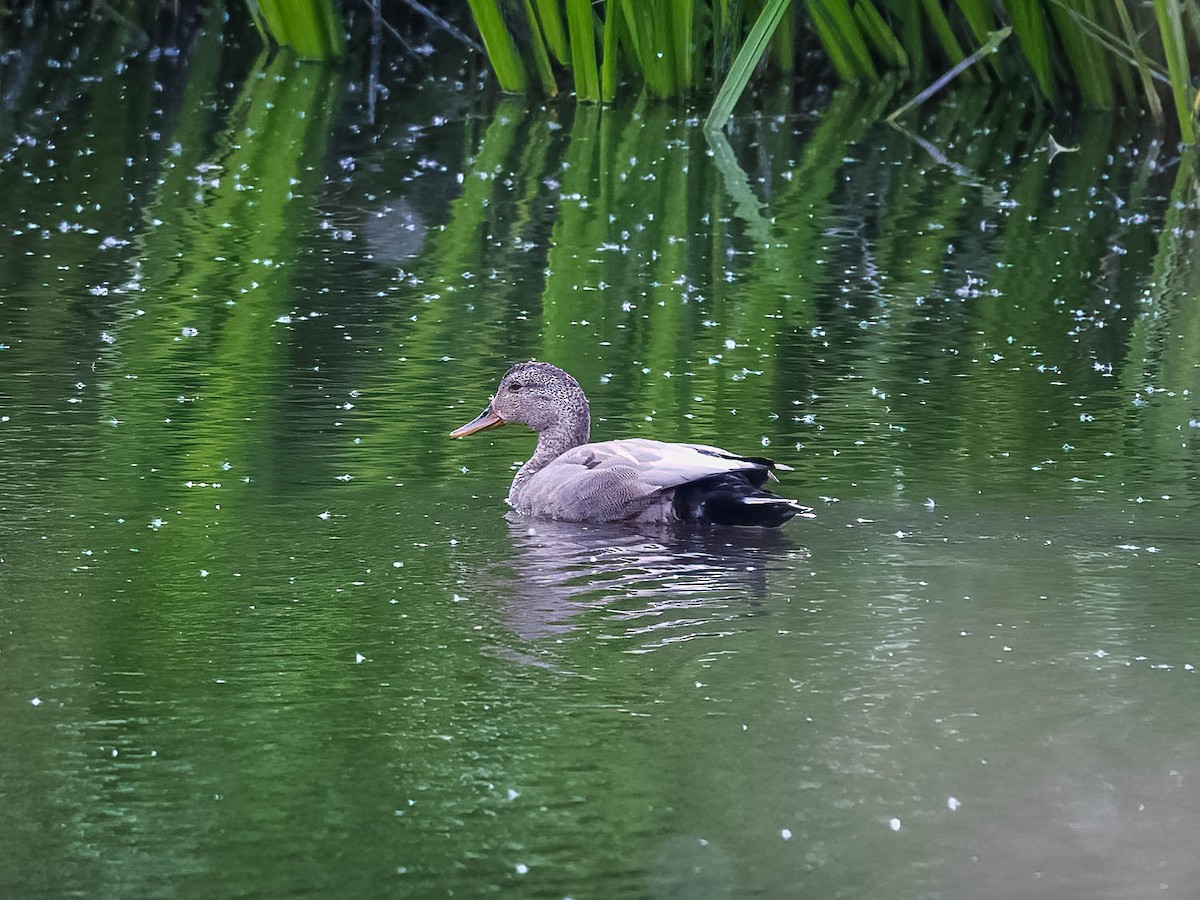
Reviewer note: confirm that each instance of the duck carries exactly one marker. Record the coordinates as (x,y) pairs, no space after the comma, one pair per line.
(633,480)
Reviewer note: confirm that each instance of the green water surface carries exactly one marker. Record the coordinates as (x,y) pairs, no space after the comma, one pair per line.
(266,632)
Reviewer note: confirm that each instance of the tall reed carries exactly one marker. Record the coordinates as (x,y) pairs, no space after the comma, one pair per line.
(311,28)
(1103,53)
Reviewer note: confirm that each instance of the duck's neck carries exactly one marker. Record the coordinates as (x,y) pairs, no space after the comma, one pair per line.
(553,442)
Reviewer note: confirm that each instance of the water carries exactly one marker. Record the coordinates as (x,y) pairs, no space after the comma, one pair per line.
(266,632)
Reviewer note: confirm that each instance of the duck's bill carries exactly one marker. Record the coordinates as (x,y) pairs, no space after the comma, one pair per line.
(486,419)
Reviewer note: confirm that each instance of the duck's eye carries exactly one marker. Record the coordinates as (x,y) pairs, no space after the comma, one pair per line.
(515,386)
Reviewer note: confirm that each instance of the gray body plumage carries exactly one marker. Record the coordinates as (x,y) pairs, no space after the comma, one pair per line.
(634,480)
(626,480)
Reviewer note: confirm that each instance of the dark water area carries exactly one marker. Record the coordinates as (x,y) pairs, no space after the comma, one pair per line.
(265,631)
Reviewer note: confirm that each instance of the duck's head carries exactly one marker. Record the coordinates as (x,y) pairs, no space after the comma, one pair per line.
(536,394)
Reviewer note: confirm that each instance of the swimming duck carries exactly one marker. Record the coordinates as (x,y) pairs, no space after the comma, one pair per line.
(634,480)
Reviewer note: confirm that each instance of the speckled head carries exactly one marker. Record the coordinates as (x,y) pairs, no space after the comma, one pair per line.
(539,395)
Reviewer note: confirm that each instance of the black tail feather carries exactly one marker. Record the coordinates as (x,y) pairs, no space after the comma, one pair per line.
(734,498)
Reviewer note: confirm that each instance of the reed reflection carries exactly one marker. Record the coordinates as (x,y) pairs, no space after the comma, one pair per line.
(657,585)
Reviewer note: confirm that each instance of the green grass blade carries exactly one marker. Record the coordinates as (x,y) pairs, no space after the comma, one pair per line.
(1143,65)
(945,33)
(1126,48)
(311,28)
(842,26)
(582,30)
(745,62)
(1107,21)
(877,31)
(648,33)
(1101,26)
(259,23)
(724,34)
(1091,71)
(908,24)
(550,18)
(831,39)
(783,43)
(657,40)
(609,62)
(1029,24)
(1170,26)
(501,51)
(541,59)
(682,25)
(982,21)
(629,31)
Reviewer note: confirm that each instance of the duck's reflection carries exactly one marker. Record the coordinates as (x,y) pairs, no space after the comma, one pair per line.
(656,584)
